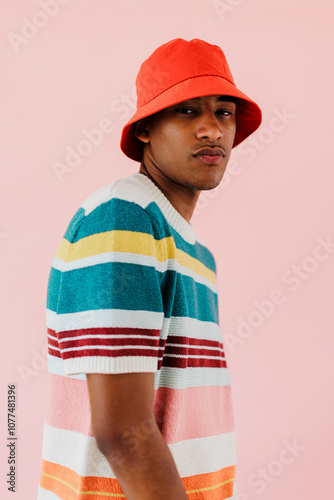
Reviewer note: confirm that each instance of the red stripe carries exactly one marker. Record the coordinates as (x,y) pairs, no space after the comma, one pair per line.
(185,351)
(174,339)
(53,342)
(54,352)
(192,362)
(109,331)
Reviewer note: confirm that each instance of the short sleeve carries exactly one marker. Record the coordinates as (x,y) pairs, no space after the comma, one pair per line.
(110,307)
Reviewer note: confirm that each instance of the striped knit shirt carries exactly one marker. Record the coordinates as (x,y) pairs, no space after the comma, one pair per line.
(133,289)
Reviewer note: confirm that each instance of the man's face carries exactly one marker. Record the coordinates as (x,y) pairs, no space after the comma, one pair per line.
(174,137)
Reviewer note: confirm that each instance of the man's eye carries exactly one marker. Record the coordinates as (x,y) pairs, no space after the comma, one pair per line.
(184,110)
(225,112)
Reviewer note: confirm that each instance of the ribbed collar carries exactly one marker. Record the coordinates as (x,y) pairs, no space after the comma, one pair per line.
(173,217)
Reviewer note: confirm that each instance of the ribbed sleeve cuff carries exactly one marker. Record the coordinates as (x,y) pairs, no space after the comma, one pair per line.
(104,364)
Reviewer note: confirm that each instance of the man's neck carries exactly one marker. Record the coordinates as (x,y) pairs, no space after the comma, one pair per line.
(182,199)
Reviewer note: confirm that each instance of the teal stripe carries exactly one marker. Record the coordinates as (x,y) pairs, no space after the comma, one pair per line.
(115,214)
(74,223)
(201,302)
(53,287)
(110,285)
(133,287)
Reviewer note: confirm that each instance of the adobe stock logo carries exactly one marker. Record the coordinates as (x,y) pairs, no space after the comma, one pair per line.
(265,476)
(31,28)
(225,7)
(122,107)
(249,149)
(293,277)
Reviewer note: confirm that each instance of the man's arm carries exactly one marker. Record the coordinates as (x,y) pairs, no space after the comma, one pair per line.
(126,432)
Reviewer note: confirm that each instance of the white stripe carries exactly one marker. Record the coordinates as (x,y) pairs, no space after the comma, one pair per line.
(80,337)
(81,454)
(177,378)
(122,318)
(46,494)
(235,492)
(56,367)
(110,347)
(104,318)
(110,364)
(125,257)
(99,196)
(194,328)
(167,376)
(57,264)
(52,337)
(50,319)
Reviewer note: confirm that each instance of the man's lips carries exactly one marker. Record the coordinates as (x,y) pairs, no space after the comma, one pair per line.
(210,152)
(210,156)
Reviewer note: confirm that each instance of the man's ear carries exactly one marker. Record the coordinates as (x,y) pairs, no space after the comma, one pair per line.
(141,130)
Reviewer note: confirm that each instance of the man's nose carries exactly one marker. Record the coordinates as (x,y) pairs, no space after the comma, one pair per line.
(208,126)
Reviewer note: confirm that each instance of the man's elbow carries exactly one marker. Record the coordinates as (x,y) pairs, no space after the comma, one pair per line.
(111,447)
(127,443)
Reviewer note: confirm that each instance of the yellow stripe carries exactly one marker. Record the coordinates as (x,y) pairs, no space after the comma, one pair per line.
(195,265)
(63,249)
(119,495)
(132,242)
(121,241)
(210,487)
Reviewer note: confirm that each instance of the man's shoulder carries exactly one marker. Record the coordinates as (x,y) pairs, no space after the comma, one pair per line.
(120,205)
(128,189)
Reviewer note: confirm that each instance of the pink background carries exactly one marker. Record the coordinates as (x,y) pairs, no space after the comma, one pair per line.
(274,206)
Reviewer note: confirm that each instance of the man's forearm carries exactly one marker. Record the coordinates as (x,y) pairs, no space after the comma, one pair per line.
(145,467)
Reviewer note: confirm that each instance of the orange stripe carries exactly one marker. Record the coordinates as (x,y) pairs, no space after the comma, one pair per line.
(211,484)
(69,485)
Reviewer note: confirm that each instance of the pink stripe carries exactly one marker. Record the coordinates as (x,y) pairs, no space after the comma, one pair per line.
(192,413)
(69,406)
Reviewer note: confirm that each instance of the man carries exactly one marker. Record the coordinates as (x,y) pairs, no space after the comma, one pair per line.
(140,402)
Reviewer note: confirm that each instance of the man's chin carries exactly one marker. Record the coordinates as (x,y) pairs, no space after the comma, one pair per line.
(206,184)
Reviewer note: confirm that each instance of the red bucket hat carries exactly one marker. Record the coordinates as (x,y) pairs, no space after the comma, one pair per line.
(180,70)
